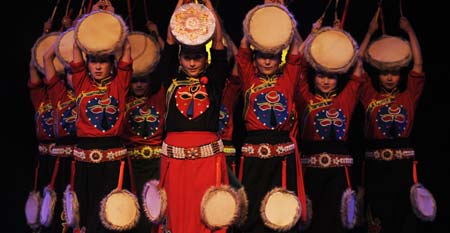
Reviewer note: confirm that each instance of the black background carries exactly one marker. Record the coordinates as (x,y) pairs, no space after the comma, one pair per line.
(430,134)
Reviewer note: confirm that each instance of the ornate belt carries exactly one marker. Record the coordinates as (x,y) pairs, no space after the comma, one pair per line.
(390,154)
(265,150)
(145,152)
(45,149)
(62,151)
(99,156)
(325,160)
(192,152)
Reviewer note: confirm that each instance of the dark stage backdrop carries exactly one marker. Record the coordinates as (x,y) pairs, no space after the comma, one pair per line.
(430,134)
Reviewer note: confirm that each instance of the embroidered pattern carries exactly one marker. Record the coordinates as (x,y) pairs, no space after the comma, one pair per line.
(192,100)
(330,123)
(103,113)
(392,120)
(144,121)
(271,109)
(224,117)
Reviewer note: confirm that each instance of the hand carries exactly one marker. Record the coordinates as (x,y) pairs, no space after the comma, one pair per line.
(405,25)
(103,5)
(152,27)
(66,21)
(317,25)
(48,26)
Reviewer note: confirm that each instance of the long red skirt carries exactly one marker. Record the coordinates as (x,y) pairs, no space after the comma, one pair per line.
(186,180)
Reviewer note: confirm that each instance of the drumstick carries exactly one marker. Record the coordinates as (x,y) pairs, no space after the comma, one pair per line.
(67,7)
(146,11)
(81,8)
(54,10)
(401,8)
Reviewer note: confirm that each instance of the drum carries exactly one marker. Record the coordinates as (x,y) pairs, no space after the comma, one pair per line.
(100,33)
(32,209)
(71,207)
(388,52)
(243,206)
(422,202)
(280,209)
(220,207)
(269,28)
(145,52)
(192,24)
(47,206)
(331,50)
(154,201)
(119,211)
(40,47)
(348,209)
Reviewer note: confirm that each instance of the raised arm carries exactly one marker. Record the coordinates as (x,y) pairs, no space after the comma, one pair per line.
(218,34)
(373,26)
(170,39)
(49,67)
(415,47)
(126,51)
(153,29)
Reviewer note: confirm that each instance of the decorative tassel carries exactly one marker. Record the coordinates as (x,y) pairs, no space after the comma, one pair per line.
(104,120)
(393,130)
(273,119)
(190,111)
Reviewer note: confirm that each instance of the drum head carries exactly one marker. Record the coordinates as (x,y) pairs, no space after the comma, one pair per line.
(192,24)
(389,52)
(280,209)
(48,206)
(348,209)
(40,47)
(64,46)
(219,207)
(331,50)
(71,207)
(423,203)
(32,209)
(100,33)
(119,210)
(145,53)
(269,28)
(154,201)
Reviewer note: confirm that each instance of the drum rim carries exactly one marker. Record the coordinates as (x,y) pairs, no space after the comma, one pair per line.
(348,193)
(58,42)
(123,34)
(384,66)
(103,217)
(209,192)
(34,48)
(210,14)
(319,67)
(163,198)
(51,209)
(415,208)
(157,53)
(37,197)
(251,40)
(262,210)
(73,222)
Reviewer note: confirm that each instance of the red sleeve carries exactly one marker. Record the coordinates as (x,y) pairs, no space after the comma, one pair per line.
(366,91)
(245,66)
(416,81)
(293,68)
(79,76)
(349,96)
(37,93)
(124,71)
(56,89)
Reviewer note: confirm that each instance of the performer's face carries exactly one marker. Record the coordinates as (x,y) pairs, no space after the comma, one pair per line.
(267,64)
(325,83)
(139,86)
(100,68)
(193,64)
(389,79)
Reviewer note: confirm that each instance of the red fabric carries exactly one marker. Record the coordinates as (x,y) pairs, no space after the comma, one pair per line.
(310,104)
(155,102)
(63,99)
(186,181)
(87,90)
(373,101)
(230,95)
(43,111)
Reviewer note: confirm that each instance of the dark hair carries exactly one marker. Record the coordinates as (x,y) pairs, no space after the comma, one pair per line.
(266,55)
(103,58)
(193,50)
(374,73)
